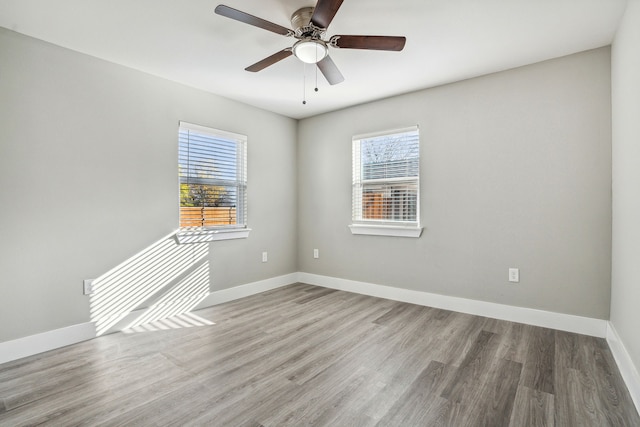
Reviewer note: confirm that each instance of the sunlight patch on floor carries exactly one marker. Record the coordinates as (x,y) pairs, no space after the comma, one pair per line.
(184,320)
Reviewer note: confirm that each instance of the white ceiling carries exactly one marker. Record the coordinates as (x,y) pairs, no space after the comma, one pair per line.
(447,40)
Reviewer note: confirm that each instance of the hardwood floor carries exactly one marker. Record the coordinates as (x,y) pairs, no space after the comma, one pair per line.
(304,355)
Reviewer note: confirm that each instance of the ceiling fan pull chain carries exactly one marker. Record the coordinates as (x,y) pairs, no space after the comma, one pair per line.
(304,84)
(316,67)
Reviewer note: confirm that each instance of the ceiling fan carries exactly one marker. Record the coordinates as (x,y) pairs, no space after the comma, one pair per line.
(310,25)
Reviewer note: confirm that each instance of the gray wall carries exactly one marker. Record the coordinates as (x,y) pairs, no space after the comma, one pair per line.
(515,172)
(625,281)
(88,174)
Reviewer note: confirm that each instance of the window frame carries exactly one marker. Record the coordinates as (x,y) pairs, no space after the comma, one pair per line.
(386,226)
(195,234)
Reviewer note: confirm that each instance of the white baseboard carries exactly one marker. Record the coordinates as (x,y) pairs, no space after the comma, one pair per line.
(50,340)
(237,292)
(627,369)
(547,319)
(45,341)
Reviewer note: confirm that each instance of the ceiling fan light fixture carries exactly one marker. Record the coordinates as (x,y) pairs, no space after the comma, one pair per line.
(310,51)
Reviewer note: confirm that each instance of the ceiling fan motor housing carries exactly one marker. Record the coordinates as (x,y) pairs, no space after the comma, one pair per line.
(301,17)
(303,28)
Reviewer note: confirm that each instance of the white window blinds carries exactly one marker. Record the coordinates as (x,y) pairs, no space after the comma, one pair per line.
(386,178)
(213,177)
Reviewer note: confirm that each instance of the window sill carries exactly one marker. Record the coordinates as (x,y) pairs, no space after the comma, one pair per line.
(202,236)
(386,230)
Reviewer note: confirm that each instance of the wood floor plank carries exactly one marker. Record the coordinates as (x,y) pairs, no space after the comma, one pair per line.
(405,353)
(534,408)
(318,294)
(323,358)
(304,355)
(57,360)
(568,353)
(319,335)
(245,405)
(167,410)
(367,343)
(95,398)
(482,390)
(614,404)
(323,399)
(414,406)
(514,341)
(539,366)
(497,394)
(256,370)
(589,385)
(350,403)
(586,403)
(47,385)
(474,366)
(455,338)
(353,418)
(397,314)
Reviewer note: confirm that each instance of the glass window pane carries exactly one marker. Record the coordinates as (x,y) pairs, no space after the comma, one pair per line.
(212,174)
(386,171)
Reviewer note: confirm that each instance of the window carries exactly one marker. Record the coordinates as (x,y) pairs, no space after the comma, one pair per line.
(386,183)
(213,183)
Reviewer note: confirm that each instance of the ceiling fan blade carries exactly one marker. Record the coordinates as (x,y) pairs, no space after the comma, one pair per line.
(238,15)
(270,60)
(324,12)
(330,71)
(370,42)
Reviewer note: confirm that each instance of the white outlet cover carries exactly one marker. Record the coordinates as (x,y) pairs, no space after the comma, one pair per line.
(87,286)
(514,275)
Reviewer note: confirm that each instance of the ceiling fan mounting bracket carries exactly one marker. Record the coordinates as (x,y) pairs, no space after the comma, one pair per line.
(309,32)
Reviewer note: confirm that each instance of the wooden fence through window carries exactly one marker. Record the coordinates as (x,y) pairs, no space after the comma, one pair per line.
(207,216)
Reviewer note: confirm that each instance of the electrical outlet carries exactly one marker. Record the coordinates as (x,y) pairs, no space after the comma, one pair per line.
(514,275)
(87,286)
(316,253)
(265,257)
